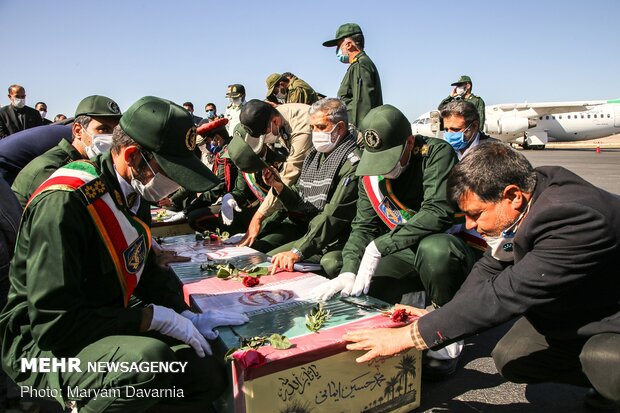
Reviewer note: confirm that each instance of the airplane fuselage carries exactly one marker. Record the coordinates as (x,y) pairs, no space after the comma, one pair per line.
(538,123)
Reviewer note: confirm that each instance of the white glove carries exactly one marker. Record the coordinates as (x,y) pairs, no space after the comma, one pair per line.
(368,265)
(341,284)
(229,206)
(172,324)
(205,322)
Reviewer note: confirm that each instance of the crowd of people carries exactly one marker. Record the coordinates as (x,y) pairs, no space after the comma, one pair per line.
(339,182)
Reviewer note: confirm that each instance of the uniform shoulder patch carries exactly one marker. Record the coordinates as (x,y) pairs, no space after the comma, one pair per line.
(421,150)
(353,158)
(93,190)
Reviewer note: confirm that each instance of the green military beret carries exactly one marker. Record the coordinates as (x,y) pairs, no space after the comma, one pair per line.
(97,105)
(167,130)
(385,131)
(345,30)
(462,79)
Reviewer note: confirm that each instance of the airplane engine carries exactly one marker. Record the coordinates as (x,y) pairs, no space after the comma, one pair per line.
(509,125)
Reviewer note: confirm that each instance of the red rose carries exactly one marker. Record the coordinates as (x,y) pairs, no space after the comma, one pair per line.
(214,237)
(400,316)
(250,281)
(249,358)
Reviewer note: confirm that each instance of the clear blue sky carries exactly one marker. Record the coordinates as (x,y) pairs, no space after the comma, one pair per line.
(515,51)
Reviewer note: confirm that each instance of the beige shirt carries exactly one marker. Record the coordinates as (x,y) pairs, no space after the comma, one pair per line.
(297,127)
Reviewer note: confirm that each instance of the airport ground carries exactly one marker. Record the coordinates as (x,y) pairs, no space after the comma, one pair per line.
(476,387)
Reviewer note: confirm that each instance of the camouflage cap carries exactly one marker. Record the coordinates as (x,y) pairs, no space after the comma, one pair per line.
(97,105)
(272,81)
(167,130)
(462,79)
(345,30)
(385,131)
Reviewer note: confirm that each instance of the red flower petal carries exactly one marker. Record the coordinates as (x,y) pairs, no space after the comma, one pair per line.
(249,358)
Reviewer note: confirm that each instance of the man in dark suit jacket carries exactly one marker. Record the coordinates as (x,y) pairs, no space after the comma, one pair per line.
(553,261)
(22,147)
(17,116)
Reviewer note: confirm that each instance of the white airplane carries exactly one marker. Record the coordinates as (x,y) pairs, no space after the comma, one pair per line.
(532,125)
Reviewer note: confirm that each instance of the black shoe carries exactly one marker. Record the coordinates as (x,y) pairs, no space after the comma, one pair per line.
(594,400)
(433,369)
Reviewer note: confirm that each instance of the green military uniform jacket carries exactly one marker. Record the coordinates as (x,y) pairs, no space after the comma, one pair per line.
(333,224)
(360,89)
(300,92)
(473,99)
(41,167)
(65,293)
(422,188)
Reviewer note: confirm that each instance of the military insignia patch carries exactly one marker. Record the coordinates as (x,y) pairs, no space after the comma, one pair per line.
(135,255)
(114,107)
(190,138)
(94,189)
(371,138)
(389,210)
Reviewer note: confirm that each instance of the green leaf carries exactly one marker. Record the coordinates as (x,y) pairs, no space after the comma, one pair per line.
(223,272)
(279,342)
(257,271)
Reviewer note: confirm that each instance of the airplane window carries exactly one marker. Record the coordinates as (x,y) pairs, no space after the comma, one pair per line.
(608,115)
(553,117)
(568,117)
(541,118)
(581,116)
(560,117)
(547,117)
(588,116)
(595,116)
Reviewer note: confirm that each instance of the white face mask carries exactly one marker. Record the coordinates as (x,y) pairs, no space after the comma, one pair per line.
(157,188)
(98,144)
(43,114)
(322,141)
(502,245)
(18,103)
(271,137)
(398,169)
(237,101)
(461,90)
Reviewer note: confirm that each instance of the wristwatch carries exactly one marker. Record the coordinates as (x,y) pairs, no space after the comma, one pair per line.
(298,253)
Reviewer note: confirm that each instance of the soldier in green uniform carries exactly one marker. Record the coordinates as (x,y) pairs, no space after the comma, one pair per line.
(462,90)
(288,88)
(250,190)
(399,234)
(404,237)
(360,89)
(95,118)
(82,279)
(318,209)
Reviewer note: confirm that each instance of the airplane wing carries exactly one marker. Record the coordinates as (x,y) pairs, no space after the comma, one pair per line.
(545,108)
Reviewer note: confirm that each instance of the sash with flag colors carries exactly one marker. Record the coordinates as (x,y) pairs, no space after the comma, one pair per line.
(393,212)
(127,238)
(258,191)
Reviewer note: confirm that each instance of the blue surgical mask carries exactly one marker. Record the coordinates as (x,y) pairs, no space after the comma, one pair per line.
(456,139)
(344,58)
(210,114)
